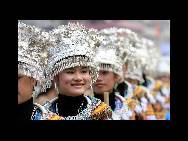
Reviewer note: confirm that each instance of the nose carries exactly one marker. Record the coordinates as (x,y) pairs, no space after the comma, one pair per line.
(77,76)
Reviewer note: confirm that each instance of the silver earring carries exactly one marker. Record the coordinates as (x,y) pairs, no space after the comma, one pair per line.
(91,86)
(56,88)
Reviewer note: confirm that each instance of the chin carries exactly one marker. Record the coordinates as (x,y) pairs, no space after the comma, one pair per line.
(77,93)
(99,91)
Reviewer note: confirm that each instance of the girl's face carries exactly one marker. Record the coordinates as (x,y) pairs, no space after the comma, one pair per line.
(73,81)
(105,82)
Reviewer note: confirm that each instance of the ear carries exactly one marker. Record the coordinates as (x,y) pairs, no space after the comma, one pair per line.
(33,81)
(56,84)
(117,78)
(56,79)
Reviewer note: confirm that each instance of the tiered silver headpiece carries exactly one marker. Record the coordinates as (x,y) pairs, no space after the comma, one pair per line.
(109,54)
(118,46)
(32,52)
(163,66)
(137,64)
(130,44)
(151,58)
(109,61)
(134,71)
(75,46)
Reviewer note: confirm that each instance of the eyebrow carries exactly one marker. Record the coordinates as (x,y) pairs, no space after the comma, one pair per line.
(71,69)
(84,67)
(20,76)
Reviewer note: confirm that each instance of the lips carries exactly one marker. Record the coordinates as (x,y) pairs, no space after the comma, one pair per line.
(77,85)
(99,84)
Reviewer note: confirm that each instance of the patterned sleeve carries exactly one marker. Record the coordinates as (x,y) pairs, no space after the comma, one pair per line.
(100,111)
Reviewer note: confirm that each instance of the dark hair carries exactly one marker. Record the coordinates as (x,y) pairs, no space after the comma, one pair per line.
(121,88)
(145,83)
(139,117)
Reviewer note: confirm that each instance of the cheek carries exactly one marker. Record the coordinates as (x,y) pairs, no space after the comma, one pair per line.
(21,84)
(110,82)
(63,84)
(87,79)
(24,85)
(64,79)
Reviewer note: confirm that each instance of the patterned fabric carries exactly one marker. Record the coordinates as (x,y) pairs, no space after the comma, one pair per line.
(121,111)
(95,110)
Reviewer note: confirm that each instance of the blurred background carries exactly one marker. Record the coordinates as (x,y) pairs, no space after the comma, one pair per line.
(156,30)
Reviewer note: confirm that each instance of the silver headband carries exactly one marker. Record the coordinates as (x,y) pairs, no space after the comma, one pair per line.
(109,61)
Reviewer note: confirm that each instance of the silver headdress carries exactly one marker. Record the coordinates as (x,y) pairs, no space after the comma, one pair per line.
(163,66)
(109,61)
(134,71)
(32,52)
(145,56)
(116,48)
(149,55)
(75,46)
(130,43)
(136,65)
(109,54)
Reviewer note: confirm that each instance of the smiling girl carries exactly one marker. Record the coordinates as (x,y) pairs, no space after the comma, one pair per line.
(72,69)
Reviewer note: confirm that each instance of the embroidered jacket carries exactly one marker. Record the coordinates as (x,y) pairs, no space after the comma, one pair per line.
(95,110)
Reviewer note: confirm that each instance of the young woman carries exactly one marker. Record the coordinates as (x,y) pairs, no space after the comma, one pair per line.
(110,74)
(32,50)
(72,69)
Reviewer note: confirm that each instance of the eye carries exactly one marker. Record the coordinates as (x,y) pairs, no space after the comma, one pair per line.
(84,71)
(70,71)
(104,72)
(19,76)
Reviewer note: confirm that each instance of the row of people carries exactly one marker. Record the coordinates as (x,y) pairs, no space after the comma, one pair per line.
(85,73)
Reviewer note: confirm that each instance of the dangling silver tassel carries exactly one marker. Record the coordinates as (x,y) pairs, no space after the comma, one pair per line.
(56,88)
(37,90)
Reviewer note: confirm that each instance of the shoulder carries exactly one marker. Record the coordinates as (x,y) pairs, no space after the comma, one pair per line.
(93,100)
(51,104)
(119,97)
(127,83)
(100,110)
(41,113)
(122,108)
